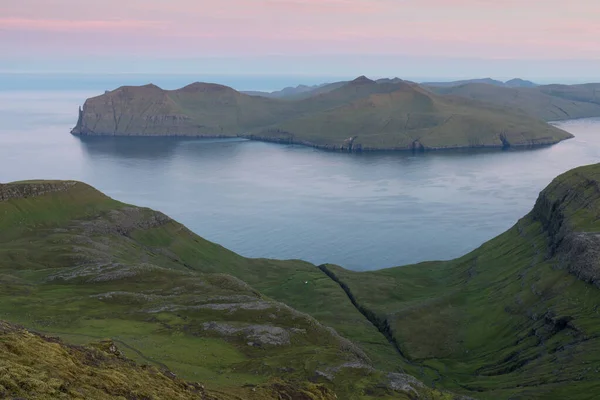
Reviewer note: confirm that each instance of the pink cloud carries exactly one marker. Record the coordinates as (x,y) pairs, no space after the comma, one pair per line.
(461,28)
(54,25)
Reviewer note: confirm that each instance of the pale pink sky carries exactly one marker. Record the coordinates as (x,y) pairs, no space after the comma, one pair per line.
(491,29)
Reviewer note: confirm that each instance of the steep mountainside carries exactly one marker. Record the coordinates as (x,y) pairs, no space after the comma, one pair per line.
(516,318)
(488,81)
(77,264)
(518,82)
(412,118)
(550,103)
(349,116)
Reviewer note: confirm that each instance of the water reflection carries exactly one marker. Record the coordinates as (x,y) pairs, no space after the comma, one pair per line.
(149,148)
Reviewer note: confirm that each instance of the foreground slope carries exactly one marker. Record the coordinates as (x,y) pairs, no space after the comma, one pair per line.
(515,319)
(40,367)
(350,116)
(77,264)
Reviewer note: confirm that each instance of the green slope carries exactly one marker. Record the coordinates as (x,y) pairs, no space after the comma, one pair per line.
(587,92)
(411,118)
(80,265)
(516,318)
(358,115)
(549,103)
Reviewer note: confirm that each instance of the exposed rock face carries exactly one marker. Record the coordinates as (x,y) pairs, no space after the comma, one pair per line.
(140,111)
(25,190)
(125,220)
(404,383)
(560,208)
(254,334)
(581,253)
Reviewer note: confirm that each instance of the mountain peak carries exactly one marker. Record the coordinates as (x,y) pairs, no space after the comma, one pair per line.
(518,82)
(204,87)
(361,80)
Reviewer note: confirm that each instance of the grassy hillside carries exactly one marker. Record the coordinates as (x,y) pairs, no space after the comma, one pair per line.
(589,92)
(358,115)
(549,103)
(410,117)
(77,264)
(515,319)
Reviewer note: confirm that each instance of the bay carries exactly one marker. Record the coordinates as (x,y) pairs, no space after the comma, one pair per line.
(361,211)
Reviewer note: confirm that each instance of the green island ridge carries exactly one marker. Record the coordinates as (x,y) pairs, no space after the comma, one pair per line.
(548,102)
(354,116)
(146,309)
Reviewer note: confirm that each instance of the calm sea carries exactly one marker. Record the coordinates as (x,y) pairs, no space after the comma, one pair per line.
(361,211)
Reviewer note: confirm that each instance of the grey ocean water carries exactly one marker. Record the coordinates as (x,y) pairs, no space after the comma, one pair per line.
(361,211)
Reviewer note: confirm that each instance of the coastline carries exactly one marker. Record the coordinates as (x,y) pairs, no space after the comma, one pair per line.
(416,148)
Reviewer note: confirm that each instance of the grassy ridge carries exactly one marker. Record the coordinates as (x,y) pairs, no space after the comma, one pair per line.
(412,118)
(549,103)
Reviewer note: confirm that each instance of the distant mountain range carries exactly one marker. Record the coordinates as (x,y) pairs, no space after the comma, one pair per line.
(358,115)
(517,82)
(549,102)
(303,91)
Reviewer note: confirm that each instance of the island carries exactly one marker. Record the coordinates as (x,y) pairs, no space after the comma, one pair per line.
(353,116)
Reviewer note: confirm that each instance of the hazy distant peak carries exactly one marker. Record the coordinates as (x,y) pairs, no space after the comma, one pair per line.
(205,87)
(362,80)
(148,88)
(390,80)
(518,82)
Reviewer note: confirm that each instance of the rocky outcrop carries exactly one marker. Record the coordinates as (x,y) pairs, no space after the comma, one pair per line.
(254,335)
(564,208)
(32,189)
(124,220)
(581,253)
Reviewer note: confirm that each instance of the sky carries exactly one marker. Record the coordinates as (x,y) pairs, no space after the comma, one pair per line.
(432,38)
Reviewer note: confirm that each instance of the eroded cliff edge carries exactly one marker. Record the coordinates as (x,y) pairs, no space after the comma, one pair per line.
(569,210)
